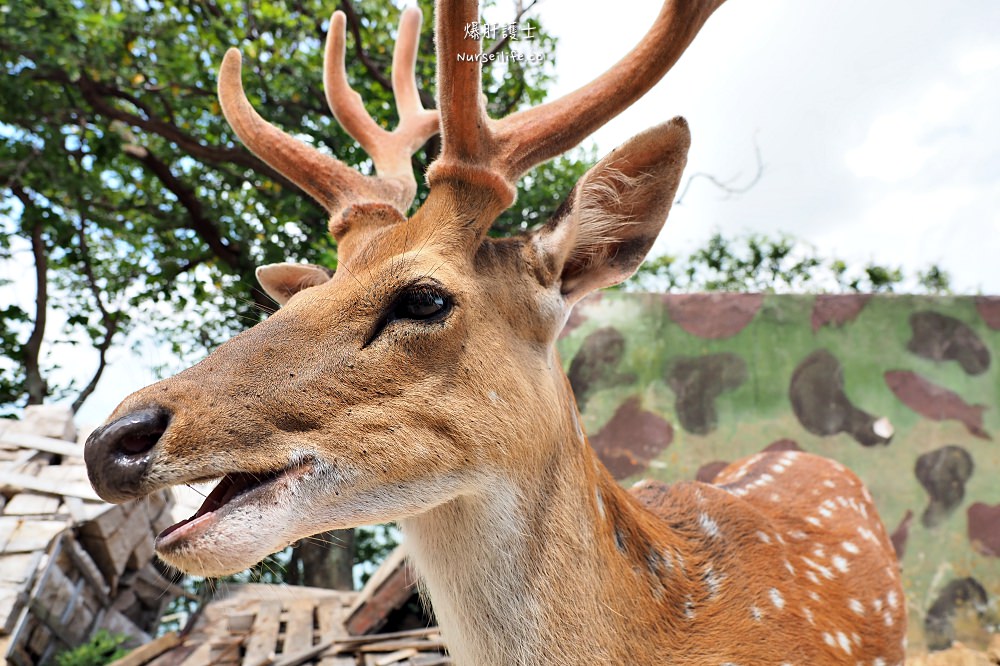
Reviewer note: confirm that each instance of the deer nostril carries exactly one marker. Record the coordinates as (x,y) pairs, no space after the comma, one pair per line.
(118,455)
(136,433)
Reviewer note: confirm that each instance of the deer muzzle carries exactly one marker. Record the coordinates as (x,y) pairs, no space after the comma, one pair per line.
(119,453)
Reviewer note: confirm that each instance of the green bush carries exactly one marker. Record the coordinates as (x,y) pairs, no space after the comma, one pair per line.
(102,649)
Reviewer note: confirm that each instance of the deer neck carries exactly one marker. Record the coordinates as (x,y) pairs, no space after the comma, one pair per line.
(529,570)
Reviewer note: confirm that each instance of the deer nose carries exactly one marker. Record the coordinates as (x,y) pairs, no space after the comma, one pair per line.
(118,454)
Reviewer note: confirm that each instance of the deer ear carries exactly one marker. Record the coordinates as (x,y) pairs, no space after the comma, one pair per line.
(282,281)
(604,230)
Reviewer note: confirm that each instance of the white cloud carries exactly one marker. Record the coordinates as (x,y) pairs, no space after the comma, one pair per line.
(899,144)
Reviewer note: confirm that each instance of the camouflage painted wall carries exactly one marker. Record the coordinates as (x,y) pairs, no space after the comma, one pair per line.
(903,389)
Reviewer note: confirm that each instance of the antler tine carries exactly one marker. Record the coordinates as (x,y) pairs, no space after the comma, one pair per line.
(465,132)
(535,135)
(511,146)
(327,180)
(390,151)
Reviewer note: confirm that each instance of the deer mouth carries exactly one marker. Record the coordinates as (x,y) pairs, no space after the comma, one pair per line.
(234,491)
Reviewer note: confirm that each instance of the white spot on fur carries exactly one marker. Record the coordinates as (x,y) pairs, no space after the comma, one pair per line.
(764,538)
(600,502)
(809,614)
(798,535)
(850,548)
(813,594)
(708,526)
(839,563)
(856,606)
(892,599)
(776,598)
(887,617)
(824,571)
(828,639)
(844,643)
(877,604)
(791,569)
(829,483)
(878,661)
(813,520)
(713,581)
(757,614)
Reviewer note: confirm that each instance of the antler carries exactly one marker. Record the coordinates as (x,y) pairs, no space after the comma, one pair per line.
(390,151)
(472,142)
(332,183)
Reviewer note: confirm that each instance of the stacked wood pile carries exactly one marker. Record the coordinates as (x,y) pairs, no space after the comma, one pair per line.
(271,625)
(70,564)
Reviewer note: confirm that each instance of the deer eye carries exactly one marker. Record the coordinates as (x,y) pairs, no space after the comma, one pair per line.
(421,303)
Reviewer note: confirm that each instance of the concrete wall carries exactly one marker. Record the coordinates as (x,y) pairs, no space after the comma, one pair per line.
(905,390)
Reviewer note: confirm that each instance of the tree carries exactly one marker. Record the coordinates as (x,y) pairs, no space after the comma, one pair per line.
(757,263)
(134,200)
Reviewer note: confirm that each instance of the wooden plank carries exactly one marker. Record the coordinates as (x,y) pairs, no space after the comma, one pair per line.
(386,569)
(297,657)
(392,591)
(27,536)
(299,621)
(264,635)
(84,512)
(430,660)
(395,657)
(19,569)
(17,481)
(330,615)
(112,553)
(47,444)
(31,504)
(89,570)
(12,600)
(146,653)
(402,644)
(202,656)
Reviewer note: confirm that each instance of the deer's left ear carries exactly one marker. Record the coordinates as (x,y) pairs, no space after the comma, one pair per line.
(282,281)
(604,230)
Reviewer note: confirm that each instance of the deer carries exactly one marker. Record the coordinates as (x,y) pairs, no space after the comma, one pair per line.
(419,383)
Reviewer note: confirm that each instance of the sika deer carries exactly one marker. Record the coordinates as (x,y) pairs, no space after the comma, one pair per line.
(419,383)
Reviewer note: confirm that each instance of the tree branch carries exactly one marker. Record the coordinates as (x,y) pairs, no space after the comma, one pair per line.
(95,93)
(109,320)
(727,185)
(34,382)
(229,253)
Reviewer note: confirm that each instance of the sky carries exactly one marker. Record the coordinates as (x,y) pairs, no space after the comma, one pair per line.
(876,123)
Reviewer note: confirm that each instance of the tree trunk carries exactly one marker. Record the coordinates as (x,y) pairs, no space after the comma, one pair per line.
(327,561)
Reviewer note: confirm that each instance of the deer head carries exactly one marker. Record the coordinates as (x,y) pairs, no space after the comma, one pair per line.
(424,367)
